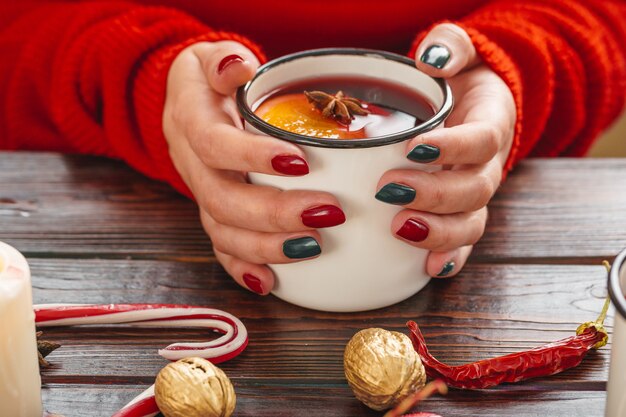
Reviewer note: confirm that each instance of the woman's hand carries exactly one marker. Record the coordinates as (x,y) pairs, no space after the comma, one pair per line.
(446,211)
(249,225)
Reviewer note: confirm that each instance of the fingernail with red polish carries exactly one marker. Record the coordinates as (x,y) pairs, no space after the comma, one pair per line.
(253,283)
(290,165)
(227,61)
(323,216)
(413,230)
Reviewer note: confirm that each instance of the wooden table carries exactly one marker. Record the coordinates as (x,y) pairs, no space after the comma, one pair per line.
(96,232)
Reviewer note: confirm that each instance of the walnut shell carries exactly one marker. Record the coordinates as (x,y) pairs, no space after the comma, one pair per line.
(382,368)
(194,387)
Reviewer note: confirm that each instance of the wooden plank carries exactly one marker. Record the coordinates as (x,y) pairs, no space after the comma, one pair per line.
(566,209)
(335,401)
(556,210)
(487,311)
(52,205)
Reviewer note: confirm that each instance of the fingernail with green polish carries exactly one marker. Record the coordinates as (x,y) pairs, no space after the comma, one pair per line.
(424,153)
(393,193)
(447,268)
(436,56)
(302,247)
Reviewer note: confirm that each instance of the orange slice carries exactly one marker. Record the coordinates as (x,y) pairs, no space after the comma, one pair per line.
(293,113)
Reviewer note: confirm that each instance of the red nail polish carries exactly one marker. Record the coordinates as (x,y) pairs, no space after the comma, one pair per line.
(413,230)
(226,61)
(323,216)
(290,165)
(253,283)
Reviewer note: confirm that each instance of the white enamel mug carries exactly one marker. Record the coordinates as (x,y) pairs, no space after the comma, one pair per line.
(362,266)
(616,390)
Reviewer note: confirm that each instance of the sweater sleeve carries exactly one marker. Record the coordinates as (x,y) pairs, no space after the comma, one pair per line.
(565,64)
(90,78)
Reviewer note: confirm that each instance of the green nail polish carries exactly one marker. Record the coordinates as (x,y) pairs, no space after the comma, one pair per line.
(436,56)
(424,153)
(393,193)
(302,247)
(447,268)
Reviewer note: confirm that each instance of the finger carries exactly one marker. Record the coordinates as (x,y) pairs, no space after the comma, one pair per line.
(443,192)
(445,51)
(227,65)
(439,232)
(206,120)
(262,248)
(223,146)
(233,202)
(447,264)
(469,143)
(256,278)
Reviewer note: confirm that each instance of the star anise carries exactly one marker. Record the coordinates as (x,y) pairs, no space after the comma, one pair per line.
(44,348)
(338,107)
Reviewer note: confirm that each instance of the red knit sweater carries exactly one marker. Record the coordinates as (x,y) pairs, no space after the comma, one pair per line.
(90,77)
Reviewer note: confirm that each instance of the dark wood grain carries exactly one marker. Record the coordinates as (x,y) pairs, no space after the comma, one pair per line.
(56,206)
(489,310)
(267,400)
(571,210)
(96,232)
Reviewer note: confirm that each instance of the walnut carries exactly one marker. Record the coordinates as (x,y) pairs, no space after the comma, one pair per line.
(194,387)
(382,368)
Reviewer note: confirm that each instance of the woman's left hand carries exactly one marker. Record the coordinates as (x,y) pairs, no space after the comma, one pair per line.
(446,211)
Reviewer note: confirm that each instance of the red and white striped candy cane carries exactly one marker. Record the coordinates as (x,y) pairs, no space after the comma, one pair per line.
(233,341)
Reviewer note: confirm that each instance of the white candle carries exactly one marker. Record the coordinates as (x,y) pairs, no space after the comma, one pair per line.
(20,383)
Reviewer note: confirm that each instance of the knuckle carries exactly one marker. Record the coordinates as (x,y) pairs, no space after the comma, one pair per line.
(175,112)
(207,221)
(250,157)
(485,189)
(205,201)
(441,238)
(217,240)
(276,214)
(497,178)
(205,138)
(259,250)
(191,128)
(491,140)
(437,197)
(221,258)
(478,229)
(169,122)
(203,131)
(217,243)
(214,206)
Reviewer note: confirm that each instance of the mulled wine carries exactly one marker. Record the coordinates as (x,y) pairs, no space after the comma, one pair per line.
(344,108)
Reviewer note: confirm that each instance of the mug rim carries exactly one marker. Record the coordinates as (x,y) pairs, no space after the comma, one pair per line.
(615,290)
(438,118)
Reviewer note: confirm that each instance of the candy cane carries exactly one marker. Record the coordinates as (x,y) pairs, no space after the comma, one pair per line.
(143,405)
(233,341)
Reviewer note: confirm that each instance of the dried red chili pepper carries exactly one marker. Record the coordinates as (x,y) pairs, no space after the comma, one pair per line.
(410,402)
(544,360)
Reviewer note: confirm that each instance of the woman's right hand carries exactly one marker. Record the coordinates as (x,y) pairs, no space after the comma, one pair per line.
(249,225)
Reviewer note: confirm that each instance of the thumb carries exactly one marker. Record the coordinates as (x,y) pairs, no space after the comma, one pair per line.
(447,264)
(445,51)
(228,65)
